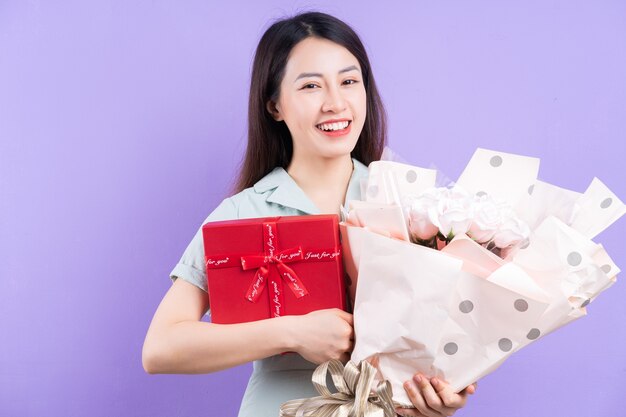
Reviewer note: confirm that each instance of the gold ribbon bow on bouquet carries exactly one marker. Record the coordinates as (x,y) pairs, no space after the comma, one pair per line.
(356,396)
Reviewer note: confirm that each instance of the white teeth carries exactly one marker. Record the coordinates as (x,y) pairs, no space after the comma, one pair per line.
(333,126)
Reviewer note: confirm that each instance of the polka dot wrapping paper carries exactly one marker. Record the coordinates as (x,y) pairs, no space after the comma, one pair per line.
(457,312)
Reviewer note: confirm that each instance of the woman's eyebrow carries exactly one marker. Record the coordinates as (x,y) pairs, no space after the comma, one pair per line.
(319,75)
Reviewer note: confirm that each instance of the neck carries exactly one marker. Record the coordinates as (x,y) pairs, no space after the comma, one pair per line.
(321,172)
(324,180)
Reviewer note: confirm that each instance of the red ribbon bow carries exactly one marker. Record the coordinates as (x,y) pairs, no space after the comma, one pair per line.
(265,271)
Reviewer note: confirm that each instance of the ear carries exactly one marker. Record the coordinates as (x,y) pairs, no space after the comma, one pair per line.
(273,109)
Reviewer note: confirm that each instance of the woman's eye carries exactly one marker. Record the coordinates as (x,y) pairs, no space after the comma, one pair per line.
(350,82)
(310,85)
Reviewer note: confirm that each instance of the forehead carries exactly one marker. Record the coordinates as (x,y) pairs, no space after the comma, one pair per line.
(318,55)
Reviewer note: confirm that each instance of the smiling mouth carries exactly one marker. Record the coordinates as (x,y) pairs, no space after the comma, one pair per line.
(334,127)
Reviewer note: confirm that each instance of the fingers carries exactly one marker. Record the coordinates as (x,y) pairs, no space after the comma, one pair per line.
(346,316)
(432,392)
(374,360)
(349,349)
(433,398)
(416,398)
(408,412)
(449,398)
(414,388)
(471,389)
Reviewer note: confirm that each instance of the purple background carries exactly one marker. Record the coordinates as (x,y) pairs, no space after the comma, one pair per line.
(121,125)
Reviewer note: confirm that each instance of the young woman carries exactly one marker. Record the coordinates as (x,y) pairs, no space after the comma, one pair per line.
(315,121)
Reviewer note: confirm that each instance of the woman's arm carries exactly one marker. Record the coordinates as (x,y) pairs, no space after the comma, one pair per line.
(178,342)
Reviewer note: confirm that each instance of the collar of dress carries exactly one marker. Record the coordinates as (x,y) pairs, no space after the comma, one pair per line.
(287,193)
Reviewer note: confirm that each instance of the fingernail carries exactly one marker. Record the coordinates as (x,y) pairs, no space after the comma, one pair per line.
(435,382)
(418,378)
(408,385)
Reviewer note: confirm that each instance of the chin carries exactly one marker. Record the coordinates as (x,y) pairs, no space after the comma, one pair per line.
(337,150)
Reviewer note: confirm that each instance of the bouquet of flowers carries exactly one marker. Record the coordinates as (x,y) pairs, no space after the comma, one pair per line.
(450,281)
(437,215)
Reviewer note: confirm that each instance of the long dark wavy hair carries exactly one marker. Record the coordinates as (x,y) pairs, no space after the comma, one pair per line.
(269,141)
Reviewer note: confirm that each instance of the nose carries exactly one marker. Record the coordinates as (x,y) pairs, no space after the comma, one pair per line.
(334,101)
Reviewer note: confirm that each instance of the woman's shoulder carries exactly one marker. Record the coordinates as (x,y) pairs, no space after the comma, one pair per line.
(261,189)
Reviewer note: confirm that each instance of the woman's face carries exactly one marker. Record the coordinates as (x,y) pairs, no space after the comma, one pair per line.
(322,99)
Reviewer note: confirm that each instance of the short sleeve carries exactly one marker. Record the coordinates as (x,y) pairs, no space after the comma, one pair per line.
(191,267)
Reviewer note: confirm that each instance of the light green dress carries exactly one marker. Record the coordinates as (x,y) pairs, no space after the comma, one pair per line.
(276,379)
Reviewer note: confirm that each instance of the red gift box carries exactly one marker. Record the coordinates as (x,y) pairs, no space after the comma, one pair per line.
(270,267)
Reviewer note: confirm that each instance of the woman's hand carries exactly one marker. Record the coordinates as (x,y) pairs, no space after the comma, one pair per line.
(323,335)
(433,398)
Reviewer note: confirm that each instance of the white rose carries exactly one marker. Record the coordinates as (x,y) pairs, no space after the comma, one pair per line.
(420,226)
(512,230)
(453,213)
(487,219)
